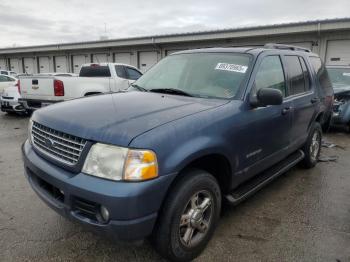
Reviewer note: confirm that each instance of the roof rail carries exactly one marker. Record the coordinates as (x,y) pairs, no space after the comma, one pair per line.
(286,47)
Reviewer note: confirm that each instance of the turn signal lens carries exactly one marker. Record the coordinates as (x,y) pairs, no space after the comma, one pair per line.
(140,165)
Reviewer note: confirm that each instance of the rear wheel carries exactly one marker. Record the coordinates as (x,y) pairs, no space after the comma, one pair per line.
(312,147)
(189,217)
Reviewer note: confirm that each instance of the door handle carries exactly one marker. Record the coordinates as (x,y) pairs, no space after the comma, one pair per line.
(314,100)
(286,110)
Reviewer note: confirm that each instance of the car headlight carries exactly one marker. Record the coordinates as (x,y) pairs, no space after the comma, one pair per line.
(118,163)
(30,127)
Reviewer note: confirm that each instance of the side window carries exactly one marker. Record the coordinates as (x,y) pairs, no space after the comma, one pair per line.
(306,74)
(270,74)
(3,78)
(132,73)
(120,71)
(9,79)
(322,75)
(296,76)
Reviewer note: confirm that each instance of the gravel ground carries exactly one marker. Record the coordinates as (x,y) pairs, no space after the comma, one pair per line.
(302,216)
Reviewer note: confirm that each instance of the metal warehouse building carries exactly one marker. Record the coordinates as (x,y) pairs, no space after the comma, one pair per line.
(329,38)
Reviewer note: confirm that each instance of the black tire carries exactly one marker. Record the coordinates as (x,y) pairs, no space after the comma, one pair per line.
(311,152)
(327,124)
(167,236)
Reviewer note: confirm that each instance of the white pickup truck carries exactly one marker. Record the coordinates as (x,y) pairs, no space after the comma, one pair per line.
(95,78)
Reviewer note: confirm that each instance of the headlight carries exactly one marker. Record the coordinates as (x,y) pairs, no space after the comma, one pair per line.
(30,127)
(118,163)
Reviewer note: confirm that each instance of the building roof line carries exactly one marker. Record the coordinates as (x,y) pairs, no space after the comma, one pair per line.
(151,38)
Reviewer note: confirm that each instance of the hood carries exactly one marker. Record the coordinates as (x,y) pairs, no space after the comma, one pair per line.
(340,89)
(11,91)
(118,118)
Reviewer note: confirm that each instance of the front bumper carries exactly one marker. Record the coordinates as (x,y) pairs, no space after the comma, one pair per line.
(341,113)
(133,207)
(10,105)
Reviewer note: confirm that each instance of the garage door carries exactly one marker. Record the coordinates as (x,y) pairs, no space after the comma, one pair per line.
(79,60)
(147,60)
(29,65)
(44,64)
(61,64)
(100,58)
(3,64)
(16,65)
(338,52)
(123,58)
(307,45)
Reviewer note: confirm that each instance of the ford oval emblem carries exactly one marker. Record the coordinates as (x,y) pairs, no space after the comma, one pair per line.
(49,143)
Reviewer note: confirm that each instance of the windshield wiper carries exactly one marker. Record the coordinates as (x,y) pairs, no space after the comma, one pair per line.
(170,91)
(140,88)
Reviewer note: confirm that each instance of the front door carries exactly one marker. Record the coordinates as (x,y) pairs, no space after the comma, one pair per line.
(268,127)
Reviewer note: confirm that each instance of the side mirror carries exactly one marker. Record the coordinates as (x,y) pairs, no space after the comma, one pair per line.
(267,97)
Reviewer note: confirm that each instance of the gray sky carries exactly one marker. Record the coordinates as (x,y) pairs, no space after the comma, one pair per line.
(35,22)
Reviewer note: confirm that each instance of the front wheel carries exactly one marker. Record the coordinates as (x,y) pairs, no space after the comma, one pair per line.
(312,147)
(189,217)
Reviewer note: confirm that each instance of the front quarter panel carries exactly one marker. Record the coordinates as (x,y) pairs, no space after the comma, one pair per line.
(180,142)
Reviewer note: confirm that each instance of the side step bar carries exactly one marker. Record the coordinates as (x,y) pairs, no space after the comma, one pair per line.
(256,183)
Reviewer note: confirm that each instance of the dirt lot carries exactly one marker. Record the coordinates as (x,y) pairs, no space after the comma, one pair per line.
(302,216)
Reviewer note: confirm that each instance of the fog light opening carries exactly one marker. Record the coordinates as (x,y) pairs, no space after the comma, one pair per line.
(104,214)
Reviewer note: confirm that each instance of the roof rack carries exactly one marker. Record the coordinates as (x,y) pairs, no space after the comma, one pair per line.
(286,47)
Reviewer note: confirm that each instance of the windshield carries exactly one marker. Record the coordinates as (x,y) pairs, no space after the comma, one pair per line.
(217,75)
(339,76)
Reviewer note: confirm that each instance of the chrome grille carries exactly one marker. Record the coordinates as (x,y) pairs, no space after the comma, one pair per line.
(61,146)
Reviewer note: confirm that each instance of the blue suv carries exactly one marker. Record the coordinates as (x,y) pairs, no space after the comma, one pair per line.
(200,127)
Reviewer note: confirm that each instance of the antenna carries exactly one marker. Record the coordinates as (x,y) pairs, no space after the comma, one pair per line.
(104,36)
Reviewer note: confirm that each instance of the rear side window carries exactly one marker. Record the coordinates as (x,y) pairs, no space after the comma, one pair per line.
(4,73)
(95,71)
(306,74)
(120,71)
(322,76)
(132,73)
(296,75)
(270,74)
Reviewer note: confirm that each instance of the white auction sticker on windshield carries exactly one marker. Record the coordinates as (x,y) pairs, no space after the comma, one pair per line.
(346,74)
(231,67)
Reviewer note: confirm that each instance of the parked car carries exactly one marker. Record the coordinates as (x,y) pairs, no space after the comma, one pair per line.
(340,78)
(9,100)
(42,90)
(199,127)
(6,81)
(326,91)
(8,73)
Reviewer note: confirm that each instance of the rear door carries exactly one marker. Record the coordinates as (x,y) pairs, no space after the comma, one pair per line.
(301,94)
